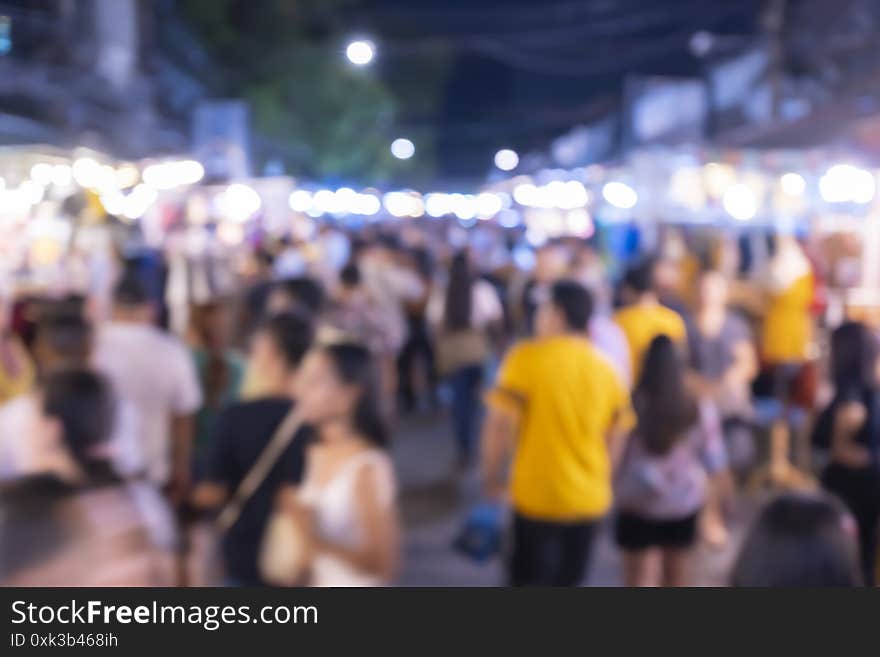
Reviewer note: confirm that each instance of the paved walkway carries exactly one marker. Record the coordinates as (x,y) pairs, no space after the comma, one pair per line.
(434,502)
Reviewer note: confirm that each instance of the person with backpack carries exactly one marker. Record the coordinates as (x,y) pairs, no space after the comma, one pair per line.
(662,484)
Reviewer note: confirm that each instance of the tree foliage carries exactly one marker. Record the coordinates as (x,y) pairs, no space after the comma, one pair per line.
(310,108)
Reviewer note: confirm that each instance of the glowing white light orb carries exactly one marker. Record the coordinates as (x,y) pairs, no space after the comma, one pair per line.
(573,195)
(62,175)
(793,184)
(139,201)
(464,206)
(41,174)
(323,202)
(360,53)
(844,183)
(401,204)
(33,191)
(367,204)
(128,175)
(402,149)
(168,175)
(344,200)
(525,194)
(239,202)
(300,200)
(506,159)
(620,195)
(437,205)
(86,172)
(740,202)
(488,205)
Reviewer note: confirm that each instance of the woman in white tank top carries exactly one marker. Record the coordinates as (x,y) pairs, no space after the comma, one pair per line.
(346,505)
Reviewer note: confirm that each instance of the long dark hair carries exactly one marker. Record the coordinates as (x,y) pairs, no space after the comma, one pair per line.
(458,293)
(216,377)
(84,405)
(798,540)
(354,365)
(853,357)
(292,332)
(665,407)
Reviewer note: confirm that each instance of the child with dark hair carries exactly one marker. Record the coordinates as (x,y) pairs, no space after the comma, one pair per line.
(662,484)
(72,521)
(799,540)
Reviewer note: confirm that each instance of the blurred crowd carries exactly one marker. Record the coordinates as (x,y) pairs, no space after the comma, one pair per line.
(147,438)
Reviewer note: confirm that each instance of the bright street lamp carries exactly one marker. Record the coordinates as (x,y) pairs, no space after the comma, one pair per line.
(360,53)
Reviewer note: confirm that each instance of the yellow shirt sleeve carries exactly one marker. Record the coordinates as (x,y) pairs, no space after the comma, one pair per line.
(512,385)
(679,330)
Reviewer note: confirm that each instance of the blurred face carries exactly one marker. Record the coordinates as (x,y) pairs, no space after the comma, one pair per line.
(713,291)
(265,360)
(550,264)
(279,301)
(549,320)
(321,396)
(666,275)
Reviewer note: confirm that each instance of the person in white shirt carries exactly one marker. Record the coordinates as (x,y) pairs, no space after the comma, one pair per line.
(346,508)
(155,372)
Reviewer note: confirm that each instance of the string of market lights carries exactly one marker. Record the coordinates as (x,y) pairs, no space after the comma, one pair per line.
(665,185)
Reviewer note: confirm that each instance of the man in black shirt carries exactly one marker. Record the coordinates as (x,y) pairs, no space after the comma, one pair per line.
(243,431)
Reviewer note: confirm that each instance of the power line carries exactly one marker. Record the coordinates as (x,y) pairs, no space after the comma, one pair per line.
(556,12)
(518,49)
(620,25)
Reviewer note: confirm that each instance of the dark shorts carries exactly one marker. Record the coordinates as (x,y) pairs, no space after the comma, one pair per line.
(545,553)
(634,532)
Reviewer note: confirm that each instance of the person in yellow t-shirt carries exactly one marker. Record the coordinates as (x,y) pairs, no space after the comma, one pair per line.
(787,328)
(786,336)
(561,409)
(644,318)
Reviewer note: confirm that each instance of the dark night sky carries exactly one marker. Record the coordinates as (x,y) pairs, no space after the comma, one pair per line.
(524,71)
